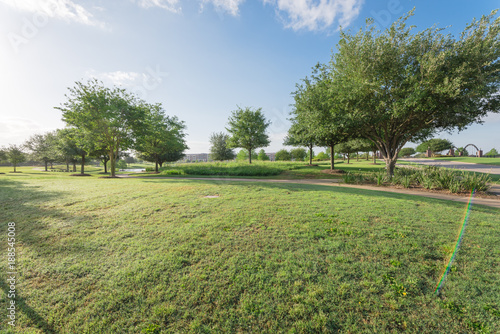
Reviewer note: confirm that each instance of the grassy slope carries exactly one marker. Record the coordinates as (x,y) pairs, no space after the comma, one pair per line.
(131,256)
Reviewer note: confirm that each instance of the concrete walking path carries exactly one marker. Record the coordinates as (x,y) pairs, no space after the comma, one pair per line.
(467,166)
(337,183)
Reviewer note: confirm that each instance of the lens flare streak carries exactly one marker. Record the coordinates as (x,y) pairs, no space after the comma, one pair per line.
(457,245)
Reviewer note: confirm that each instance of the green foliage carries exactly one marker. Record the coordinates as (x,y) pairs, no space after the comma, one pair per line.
(433,177)
(283,155)
(298,154)
(161,139)
(248,129)
(435,145)
(492,152)
(219,149)
(406,152)
(230,169)
(109,118)
(321,156)
(15,155)
(120,164)
(262,156)
(43,147)
(243,155)
(401,85)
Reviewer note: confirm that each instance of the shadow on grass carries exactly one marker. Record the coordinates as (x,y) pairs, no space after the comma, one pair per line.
(37,320)
(22,204)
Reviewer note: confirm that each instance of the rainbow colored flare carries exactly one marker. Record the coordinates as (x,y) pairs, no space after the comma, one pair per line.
(457,245)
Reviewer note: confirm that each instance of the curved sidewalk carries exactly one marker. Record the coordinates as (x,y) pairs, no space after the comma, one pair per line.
(336,182)
(467,166)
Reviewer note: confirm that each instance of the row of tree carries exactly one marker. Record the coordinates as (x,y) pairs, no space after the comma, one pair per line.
(395,86)
(103,123)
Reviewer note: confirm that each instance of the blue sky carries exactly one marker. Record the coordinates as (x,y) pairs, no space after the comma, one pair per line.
(200,58)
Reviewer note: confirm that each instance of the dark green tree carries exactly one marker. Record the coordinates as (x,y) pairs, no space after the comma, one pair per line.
(298,154)
(247,128)
(316,111)
(43,148)
(161,136)
(399,85)
(435,145)
(15,155)
(283,155)
(219,150)
(492,152)
(109,117)
(262,156)
(407,151)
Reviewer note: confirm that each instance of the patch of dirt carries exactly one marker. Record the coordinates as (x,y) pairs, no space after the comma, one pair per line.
(80,174)
(108,177)
(333,172)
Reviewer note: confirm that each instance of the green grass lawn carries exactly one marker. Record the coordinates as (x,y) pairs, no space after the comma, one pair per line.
(476,160)
(156,256)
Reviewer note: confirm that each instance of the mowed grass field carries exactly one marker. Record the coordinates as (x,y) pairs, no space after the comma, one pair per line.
(157,256)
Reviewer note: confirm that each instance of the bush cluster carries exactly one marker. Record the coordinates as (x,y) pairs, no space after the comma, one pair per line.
(429,177)
(230,169)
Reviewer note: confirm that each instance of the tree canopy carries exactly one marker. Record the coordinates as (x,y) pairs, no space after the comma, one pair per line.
(109,117)
(247,128)
(399,85)
(435,145)
(219,149)
(161,138)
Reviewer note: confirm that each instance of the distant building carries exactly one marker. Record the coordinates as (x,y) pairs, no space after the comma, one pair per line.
(196,157)
(272,156)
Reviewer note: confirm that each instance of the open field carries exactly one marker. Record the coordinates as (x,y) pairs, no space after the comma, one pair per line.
(156,256)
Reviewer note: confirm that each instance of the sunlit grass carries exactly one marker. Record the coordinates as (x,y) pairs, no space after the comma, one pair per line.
(156,256)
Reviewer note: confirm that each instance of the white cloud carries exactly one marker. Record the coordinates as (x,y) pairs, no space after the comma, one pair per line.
(60,9)
(230,6)
(117,78)
(170,5)
(316,15)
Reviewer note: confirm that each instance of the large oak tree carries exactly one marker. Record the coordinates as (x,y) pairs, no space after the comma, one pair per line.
(399,85)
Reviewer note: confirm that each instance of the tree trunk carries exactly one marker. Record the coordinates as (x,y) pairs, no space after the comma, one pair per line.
(357,156)
(67,166)
(343,157)
(74,166)
(112,163)
(332,160)
(46,164)
(105,161)
(83,164)
(374,157)
(367,156)
(250,155)
(15,168)
(348,158)
(156,164)
(390,164)
(161,163)
(51,165)
(310,155)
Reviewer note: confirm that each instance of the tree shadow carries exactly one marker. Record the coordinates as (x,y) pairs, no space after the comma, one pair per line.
(23,204)
(28,311)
